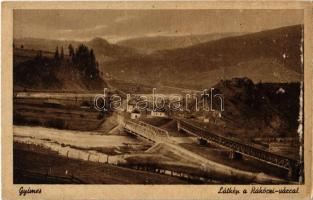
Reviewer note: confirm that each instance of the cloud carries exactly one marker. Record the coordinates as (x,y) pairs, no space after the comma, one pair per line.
(119,24)
(166,33)
(92,29)
(81,34)
(123,19)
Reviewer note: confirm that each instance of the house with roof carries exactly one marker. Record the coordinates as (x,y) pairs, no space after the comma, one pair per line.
(131,105)
(158,113)
(135,114)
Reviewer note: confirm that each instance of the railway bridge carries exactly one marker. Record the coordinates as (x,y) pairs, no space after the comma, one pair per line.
(155,134)
(146,131)
(293,166)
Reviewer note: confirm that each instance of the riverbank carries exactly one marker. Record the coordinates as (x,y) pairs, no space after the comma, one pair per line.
(37,165)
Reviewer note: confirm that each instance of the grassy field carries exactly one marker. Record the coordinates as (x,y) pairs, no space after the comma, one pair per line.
(59,114)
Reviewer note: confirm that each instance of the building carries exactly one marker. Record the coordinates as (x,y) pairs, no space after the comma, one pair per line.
(280,91)
(131,105)
(206,119)
(135,114)
(158,113)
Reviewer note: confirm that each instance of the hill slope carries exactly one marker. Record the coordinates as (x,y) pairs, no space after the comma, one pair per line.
(270,109)
(32,73)
(251,110)
(156,43)
(101,47)
(273,55)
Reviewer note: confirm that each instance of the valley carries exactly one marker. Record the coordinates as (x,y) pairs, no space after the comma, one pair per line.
(254,139)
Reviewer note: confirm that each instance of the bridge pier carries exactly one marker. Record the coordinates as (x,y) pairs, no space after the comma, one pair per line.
(291,173)
(202,141)
(178,125)
(294,173)
(234,155)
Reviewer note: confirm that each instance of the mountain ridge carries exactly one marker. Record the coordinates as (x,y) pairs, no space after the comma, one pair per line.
(149,44)
(247,55)
(101,46)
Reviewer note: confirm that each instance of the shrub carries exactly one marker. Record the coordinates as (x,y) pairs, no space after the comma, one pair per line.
(56,123)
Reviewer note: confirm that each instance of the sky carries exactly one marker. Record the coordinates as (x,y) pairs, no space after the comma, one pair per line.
(116,25)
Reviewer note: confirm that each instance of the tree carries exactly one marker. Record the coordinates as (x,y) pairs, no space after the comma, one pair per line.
(62,53)
(92,59)
(92,70)
(56,54)
(39,55)
(71,50)
(81,58)
(85,61)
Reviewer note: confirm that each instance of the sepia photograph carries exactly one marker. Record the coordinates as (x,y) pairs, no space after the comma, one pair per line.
(156,96)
